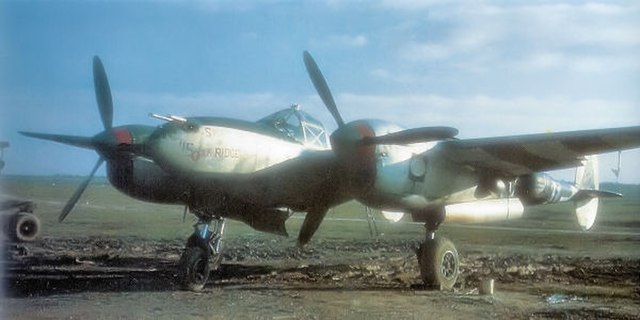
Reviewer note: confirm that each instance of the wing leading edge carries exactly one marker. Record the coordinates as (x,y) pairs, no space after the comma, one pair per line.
(524,154)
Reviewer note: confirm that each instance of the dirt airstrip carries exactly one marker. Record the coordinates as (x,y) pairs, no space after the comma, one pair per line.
(115,258)
(267,278)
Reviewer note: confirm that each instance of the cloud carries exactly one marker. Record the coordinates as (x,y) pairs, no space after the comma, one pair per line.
(239,105)
(413,4)
(474,115)
(587,63)
(348,41)
(229,5)
(538,35)
(481,115)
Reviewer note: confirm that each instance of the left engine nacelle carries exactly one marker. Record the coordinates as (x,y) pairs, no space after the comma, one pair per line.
(540,188)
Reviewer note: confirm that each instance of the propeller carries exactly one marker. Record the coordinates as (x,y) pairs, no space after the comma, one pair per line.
(105,107)
(102,142)
(322,88)
(310,225)
(76,141)
(351,143)
(415,135)
(76,195)
(103,93)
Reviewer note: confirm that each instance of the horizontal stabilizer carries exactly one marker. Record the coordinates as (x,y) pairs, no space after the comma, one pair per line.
(586,194)
(82,142)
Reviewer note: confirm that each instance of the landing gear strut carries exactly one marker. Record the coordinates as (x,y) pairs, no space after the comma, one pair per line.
(202,254)
(438,260)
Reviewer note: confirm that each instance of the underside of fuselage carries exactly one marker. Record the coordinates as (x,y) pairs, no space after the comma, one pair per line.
(262,199)
(142,179)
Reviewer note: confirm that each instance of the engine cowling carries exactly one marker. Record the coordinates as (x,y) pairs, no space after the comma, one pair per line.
(540,188)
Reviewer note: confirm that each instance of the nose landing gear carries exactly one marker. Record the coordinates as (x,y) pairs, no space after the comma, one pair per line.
(202,254)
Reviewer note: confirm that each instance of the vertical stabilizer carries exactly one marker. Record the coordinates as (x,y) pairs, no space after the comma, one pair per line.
(587,179)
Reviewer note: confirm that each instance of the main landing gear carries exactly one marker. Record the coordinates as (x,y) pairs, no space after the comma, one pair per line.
(438,260)
(202,254)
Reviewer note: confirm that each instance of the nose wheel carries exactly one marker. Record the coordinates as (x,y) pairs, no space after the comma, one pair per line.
(202,254)
(195,268)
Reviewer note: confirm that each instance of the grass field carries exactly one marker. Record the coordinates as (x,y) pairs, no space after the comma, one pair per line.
(103,211)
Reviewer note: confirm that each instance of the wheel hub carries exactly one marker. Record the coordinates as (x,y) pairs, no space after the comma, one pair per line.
(448,266)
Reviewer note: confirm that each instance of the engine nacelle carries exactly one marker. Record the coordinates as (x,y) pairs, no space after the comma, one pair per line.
(540,188)
(398,170)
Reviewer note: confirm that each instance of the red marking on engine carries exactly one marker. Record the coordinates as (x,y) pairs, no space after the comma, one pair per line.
(123,136)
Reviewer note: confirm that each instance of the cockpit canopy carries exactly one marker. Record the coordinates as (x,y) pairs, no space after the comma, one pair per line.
(298,126)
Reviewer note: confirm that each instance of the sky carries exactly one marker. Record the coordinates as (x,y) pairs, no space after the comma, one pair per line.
(488,68)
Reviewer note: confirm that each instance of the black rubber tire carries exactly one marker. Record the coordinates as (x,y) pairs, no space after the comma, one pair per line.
(194,268)
(214,260)
(24,227)
(439,263)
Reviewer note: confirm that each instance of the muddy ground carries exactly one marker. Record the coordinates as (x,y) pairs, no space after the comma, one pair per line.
(267,278)
(115,258)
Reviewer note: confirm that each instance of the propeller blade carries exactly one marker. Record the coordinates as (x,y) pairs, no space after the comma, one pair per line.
(103,93)
(82,142)
(321,87)
(415,135)
(310,225)
(76,195)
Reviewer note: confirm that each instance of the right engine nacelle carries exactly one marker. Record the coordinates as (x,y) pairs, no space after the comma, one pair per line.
(535,189)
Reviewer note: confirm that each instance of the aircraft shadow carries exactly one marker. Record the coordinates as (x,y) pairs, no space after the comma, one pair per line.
(41,277)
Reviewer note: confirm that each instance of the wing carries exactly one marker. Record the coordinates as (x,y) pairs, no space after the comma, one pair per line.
(518,155)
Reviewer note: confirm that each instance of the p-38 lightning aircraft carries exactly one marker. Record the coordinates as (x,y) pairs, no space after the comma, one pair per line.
(257,172)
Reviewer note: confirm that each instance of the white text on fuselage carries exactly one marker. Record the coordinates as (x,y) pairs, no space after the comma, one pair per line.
(219,152)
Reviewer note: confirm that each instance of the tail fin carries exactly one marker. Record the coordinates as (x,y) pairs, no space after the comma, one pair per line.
(587,198)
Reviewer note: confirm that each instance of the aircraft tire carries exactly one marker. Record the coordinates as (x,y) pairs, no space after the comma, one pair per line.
(23,227)
(439,263)
(215,260)
(194,267)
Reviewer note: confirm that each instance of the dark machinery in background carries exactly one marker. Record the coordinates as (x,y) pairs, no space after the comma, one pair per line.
(18,221)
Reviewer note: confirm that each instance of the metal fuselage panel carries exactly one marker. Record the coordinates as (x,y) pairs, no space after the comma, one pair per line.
(213,168)
(219,149)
